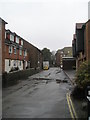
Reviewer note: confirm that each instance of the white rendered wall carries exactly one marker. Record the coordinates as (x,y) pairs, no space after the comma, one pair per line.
(8,68)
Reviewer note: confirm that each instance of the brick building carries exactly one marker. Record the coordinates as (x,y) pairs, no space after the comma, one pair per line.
(58,58)
(35,55)
(65,52)
(81,43)
(16,56)
(2,39)
(17,53)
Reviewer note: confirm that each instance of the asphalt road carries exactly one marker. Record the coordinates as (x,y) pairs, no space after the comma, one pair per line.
(42,95)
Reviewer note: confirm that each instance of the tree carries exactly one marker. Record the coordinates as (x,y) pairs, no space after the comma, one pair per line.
(46,54)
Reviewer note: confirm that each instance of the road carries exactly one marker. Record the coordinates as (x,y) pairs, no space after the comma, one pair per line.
(42,95)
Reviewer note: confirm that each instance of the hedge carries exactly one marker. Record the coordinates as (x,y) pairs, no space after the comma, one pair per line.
(13,78)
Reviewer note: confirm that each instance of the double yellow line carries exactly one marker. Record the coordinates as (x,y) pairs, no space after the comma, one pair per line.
(71,107)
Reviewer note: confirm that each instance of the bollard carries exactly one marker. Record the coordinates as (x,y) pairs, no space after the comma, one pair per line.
(88,98)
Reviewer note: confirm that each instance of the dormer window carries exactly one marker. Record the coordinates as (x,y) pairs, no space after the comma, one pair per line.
(17,39)
(21,42)
(11,37)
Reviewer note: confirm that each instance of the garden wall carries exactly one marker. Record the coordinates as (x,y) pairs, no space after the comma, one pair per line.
(13,78)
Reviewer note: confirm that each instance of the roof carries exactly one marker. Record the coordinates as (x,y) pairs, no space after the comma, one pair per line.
(87,21)
(68,58)
(3,20)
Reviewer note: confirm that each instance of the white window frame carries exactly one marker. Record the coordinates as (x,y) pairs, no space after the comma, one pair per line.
(11,37)
(10,49)
(17,39)
(21,42)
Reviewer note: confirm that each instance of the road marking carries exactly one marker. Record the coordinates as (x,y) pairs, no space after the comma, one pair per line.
(71,107)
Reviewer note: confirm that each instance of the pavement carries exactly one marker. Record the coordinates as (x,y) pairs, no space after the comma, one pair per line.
(80,106)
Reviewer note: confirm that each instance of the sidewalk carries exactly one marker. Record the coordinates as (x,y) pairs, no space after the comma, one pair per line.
(79,105)
(71,75)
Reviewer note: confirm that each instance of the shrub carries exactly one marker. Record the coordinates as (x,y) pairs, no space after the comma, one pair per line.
(83,75)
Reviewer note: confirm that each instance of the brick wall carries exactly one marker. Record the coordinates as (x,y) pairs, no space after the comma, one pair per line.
(58,58)
(34,54)
(88,40)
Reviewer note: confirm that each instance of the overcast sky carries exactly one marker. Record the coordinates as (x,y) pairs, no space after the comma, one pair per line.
(44,23)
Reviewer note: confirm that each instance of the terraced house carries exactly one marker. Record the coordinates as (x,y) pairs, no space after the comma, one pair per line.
(16,56)
(81,43)
(16,52)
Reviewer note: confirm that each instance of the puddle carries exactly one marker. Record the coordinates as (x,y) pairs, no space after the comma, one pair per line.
(47,75)
(42,79)
(61,81)
(58,72)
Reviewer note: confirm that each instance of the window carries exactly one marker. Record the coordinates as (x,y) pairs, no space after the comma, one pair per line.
(17,40)
(21,42)
(10,49)
(15,50)
(11,37)
(25,53)
(20,52)
(9,62)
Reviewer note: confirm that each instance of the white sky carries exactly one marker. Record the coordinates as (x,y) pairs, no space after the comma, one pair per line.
(44,23)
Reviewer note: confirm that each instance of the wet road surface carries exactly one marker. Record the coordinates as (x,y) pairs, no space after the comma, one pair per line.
(42,95)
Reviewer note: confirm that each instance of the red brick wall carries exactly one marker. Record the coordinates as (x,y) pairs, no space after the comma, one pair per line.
(58,59)
(33,54)
(13,56)
(88,41)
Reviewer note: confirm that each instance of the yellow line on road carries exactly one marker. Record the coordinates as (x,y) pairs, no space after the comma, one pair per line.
(72,106)
(72,116)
